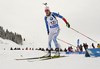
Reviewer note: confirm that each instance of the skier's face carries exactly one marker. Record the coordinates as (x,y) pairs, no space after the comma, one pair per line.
(47,12)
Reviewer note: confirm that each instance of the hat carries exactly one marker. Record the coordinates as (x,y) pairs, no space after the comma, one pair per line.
(47,8)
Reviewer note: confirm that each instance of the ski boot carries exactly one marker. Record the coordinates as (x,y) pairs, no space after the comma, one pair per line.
(48,54)
(57,52)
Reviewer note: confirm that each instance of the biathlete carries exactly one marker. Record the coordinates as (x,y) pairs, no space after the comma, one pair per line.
(53,29)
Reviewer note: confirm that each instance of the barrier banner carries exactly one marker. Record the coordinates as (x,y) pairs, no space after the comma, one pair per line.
(93,52)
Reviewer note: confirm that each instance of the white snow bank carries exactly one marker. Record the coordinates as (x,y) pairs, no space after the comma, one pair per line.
(72,61)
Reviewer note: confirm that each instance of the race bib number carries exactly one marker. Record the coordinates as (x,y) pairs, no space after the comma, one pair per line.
(53,22)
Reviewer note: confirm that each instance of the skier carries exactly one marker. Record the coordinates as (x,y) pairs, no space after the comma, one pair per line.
(53,29)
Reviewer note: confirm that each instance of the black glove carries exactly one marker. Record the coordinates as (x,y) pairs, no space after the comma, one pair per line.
(48,33)
(68,25)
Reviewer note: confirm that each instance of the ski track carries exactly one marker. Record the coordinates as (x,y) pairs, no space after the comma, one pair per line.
(73,61)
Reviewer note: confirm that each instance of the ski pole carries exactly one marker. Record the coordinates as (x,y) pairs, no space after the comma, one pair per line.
(65,42)
(83,35)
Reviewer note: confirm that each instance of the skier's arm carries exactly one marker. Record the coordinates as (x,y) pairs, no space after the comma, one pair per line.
(68,25)
(56,14)
(46,25)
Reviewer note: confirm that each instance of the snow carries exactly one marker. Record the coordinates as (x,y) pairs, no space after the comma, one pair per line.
(26,17)
(71,61)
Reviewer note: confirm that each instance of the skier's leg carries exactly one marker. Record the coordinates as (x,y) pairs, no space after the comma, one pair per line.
(56,43)
(55,39)
(50,37)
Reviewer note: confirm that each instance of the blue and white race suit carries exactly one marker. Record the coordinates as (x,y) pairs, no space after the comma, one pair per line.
(53,28)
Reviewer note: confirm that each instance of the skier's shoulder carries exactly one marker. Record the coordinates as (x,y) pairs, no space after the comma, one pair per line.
(54,13)
(57,14)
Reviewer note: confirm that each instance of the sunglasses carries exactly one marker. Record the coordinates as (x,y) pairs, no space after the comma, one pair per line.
(46,10)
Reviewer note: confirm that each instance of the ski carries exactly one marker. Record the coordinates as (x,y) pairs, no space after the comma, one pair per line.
(47,58)
(53,57)
(42,58)
(31,58)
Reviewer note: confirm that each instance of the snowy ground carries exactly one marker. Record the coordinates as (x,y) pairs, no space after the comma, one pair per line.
(26,17)
(73,61)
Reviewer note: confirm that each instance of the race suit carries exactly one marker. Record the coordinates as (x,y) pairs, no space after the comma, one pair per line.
(53,28)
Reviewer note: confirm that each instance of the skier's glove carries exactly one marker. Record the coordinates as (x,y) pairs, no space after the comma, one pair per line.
(48,33)
(68,25)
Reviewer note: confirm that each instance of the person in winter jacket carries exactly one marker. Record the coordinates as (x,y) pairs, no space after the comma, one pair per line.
(98,45)
(93,45)
(81,47)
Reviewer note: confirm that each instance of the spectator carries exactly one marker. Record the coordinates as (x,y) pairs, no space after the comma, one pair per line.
(42,49)
(22,48)
(46,49)
(61,50)
(65,50)
(70,49)
(15,48)
(81,48)
(39,48)
(36,49)
(93,45)
(11,48)
(84,45)
(29,48)
(32,48)
(26,48)
(98,45)
(18,49)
